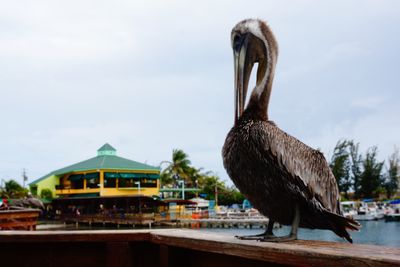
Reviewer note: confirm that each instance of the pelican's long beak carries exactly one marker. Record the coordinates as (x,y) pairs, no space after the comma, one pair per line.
(242,74)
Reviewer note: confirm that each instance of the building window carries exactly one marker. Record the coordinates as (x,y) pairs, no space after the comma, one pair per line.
(124,182)
(93,183)
(145,182)
(110,182)
(129,180)
(92,180)
(76,181)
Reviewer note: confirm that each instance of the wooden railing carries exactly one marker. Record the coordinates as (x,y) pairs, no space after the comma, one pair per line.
(177,247)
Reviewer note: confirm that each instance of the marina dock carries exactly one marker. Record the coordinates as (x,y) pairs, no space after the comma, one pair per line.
(177,247)
(237,220)
(223,223)
(151,221)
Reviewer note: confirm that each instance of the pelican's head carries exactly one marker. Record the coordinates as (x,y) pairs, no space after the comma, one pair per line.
(252,42)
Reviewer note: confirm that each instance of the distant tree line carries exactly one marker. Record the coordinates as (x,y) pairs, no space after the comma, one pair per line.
(364,175)
(14,190)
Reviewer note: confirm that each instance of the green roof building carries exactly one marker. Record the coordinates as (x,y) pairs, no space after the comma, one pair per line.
(104,175)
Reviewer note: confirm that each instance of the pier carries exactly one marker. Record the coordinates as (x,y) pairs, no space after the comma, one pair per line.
(126,220)
(189,220)
(177,247)
(149,220)
(223,223)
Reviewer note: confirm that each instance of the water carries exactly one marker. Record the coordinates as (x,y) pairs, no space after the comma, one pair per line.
(372,232)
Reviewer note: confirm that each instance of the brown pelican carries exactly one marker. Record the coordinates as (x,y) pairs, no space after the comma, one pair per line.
(27,202)
(286,180)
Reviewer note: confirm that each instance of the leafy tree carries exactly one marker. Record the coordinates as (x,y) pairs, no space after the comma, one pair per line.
(371,176)
(195,177)
(178,167)
(166,179)
(46,193)
(392,176)
(230,195)
(12,189)
(341,165)
(356,168)
(211,186)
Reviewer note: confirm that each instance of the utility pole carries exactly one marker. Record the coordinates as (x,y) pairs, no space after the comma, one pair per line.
(197,187)
(24,177)
(216,194)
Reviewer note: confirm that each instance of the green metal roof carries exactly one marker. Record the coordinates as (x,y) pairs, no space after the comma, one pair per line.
(101,162)
(106,149)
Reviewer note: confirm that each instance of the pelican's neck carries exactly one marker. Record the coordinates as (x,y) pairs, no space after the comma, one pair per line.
(259,100)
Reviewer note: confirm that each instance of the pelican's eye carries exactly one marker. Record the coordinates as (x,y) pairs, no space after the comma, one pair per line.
(237,42)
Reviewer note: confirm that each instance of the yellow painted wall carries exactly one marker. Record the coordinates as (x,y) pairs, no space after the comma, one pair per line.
(77,191)
(129,191)
(49,183)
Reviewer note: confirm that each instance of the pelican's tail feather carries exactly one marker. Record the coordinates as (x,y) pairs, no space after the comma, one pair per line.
(340,225)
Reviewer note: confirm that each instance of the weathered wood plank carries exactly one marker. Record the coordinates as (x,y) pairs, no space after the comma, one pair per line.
(298,253)
(19,215)
(170,247)
(75,236)
(12,224)
(164,255)
(52,254)
(118,254)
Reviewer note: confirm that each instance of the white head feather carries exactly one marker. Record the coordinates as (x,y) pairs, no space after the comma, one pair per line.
(254,26)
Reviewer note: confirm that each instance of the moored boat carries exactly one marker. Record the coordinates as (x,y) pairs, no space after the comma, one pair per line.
(393,213)
(349,208)
(368,211)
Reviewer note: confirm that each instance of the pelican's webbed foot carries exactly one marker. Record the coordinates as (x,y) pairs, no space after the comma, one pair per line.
(258,237)
(266,235)
(277,239)
(293,232)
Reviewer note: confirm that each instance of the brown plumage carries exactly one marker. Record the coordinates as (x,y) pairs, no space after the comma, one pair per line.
(286,180)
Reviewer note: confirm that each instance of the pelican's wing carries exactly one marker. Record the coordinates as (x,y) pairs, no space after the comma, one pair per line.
(307,167)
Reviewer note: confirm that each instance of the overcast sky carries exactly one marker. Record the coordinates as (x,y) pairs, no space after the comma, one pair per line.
(151,76)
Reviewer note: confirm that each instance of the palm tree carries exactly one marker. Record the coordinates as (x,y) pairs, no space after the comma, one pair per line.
(12,189)
(178,168)
(196,176)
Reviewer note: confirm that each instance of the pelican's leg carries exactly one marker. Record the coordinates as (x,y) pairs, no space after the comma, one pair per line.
(293,231)
(267,234)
